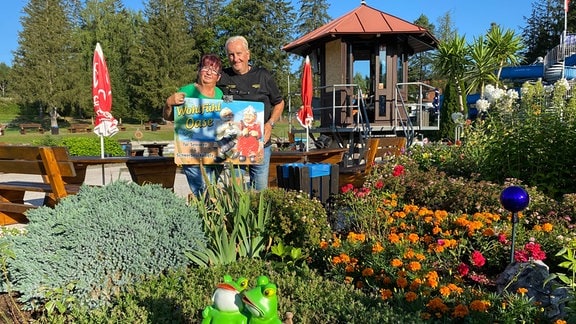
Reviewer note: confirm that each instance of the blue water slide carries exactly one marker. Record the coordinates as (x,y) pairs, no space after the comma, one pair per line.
(522,72)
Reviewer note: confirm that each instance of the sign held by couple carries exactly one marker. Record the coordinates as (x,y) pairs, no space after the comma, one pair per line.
(213,131)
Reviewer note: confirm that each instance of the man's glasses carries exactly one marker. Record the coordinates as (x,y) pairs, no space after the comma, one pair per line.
(210,70)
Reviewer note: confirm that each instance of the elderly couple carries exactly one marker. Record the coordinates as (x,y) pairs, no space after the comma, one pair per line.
(236,81)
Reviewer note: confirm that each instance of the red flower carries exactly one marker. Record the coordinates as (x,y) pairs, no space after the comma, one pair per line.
(398,170)
(531,251)
(347,188)
(379,184)
(478,259)
(502,238)
(463,269)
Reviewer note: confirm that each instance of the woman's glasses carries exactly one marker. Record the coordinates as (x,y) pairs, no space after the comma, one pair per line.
(209,70)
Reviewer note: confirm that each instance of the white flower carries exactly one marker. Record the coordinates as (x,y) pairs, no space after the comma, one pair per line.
(482,105)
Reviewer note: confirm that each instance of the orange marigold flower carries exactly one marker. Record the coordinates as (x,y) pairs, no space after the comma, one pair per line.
(413,238)
(522,291)
(436,230)
(560,321)
(323,245)
(348,280)
(394,238)
(488,232)
(368,272)
(386,280)
(409,254)
(547,227)
(420,257)
(455,288)
(401,282)
(336,260)
(349,268)
(359,284)
(414,266)
(479,305)
(410,296)
(537,228)
(345,257)
(336,244)
(396,263)
(437,305)
(445,291)
(385,294)
(460,311)
(416,283)
(377,248)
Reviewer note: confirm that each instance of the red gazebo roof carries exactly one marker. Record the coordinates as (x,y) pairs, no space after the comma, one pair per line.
(366,20)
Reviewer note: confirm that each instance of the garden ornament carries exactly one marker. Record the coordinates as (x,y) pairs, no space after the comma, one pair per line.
(227,306)
(262,302)
(514,199)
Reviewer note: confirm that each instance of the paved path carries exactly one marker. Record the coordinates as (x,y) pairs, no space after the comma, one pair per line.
(94,173)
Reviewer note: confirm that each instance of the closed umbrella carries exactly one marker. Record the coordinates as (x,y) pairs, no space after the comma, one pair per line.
(105,124)
(304,115)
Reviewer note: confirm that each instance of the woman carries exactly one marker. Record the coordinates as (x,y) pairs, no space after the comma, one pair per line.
(209,71)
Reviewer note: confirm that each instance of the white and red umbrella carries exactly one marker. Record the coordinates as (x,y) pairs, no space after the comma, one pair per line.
(105,124)
(304,115)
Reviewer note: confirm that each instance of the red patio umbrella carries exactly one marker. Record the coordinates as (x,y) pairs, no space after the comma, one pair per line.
(105,124)
(304,115)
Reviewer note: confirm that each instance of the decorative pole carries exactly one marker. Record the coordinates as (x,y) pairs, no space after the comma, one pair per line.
(514,199)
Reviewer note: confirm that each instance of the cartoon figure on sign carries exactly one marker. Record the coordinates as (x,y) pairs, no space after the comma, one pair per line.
(226,134)
(250,134)
(227,306)
(262,302)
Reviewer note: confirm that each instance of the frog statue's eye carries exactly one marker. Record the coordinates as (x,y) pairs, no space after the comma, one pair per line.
(243,282)
(269,292)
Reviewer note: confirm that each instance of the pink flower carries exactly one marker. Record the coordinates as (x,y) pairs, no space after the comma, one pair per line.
(398,170)
(463,269)
(531,251)
(502,238)
(478,259)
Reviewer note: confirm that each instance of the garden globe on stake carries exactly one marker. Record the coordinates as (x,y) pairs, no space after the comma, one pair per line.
(514,199)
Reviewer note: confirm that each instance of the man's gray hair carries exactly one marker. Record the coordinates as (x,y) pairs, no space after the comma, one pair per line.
(237,38)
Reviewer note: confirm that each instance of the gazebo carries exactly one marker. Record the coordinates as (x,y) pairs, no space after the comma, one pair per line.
(377,40)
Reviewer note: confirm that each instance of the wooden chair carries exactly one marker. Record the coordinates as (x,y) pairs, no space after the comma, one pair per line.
(376,148)
(50,163)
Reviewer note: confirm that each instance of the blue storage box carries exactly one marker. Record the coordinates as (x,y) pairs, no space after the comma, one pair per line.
(320,180)
(314,169)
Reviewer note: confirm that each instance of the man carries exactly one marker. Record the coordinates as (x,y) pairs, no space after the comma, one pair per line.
(242,81)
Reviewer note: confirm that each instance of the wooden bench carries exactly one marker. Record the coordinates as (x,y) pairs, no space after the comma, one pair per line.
(148,126)
(31,126)
(80,128)
(50,163)
(376,148)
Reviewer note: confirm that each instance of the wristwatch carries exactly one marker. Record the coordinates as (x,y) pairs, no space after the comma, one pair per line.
(271,124)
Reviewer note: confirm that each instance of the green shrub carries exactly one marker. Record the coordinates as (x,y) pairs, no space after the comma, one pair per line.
(84,146)
(102,240)
(295,219)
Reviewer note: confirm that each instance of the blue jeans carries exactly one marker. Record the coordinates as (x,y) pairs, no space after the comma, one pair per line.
(195,179)
(259,172)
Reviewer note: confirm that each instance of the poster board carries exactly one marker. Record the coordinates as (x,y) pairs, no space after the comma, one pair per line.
(212,131)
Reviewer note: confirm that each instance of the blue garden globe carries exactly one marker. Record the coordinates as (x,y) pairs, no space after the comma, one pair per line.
(514,199)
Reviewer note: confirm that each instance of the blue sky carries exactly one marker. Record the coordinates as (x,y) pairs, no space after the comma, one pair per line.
(471,18)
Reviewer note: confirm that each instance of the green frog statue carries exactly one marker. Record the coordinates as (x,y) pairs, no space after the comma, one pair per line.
(261,302)
(227,306)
